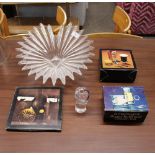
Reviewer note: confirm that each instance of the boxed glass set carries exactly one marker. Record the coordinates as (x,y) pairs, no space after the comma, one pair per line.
(124,104)
(36,109)
(117,65)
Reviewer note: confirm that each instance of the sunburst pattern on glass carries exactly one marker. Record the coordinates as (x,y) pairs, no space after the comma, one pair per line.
(55,56)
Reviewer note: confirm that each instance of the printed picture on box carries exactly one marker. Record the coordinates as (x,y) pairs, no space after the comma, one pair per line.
(125,98)
(36,107)
(117,59)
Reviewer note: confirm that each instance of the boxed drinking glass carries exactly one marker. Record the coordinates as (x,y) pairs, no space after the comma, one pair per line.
(117,65)
(36,109)
(124,104)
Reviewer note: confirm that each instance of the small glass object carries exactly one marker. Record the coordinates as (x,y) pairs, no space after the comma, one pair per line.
(81,96)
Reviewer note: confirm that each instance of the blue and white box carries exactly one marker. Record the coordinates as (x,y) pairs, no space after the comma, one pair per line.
(124,104)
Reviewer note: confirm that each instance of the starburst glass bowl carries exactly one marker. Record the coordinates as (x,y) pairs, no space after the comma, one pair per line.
(55,56)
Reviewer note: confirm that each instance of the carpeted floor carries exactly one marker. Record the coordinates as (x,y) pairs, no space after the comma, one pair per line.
(99,17)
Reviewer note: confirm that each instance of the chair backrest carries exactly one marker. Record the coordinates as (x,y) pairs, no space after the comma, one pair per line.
(122,20)
(3,24)
(61,18)
(112,35)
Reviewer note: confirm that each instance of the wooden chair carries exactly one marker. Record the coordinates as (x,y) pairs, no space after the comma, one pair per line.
(112,35)
(122,20)
(6,30)
(61,18)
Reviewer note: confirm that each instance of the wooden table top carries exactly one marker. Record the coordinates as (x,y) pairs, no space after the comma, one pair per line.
(87,132)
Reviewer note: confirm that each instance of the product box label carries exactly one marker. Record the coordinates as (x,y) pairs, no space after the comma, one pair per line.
(124,104)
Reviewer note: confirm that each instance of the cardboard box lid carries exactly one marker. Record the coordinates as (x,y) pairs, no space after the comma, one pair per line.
(124,98)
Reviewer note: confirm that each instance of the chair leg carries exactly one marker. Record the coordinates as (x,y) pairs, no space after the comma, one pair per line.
(116,29)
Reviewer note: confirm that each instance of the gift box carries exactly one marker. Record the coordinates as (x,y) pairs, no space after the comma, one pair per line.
(117,65)
(124,104)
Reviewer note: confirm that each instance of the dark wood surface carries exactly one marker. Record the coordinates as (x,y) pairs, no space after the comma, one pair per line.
(87,132)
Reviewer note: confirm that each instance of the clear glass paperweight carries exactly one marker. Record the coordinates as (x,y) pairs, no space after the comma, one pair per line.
(81,97)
